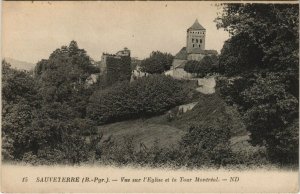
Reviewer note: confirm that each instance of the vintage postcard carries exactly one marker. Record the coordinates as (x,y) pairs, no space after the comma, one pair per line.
(149,97)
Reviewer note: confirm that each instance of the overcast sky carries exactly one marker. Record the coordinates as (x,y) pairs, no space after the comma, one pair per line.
(31,31)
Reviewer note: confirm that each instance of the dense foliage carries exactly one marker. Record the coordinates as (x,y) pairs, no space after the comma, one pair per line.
(203,67)
(143,97)
(118,69)
(19,100)
(206,146)
(44,116)
(157,63)
(261,73)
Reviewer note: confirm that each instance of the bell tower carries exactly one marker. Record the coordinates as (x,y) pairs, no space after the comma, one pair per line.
(195,37)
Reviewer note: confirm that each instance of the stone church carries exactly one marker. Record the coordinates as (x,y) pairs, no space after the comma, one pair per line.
(194,50)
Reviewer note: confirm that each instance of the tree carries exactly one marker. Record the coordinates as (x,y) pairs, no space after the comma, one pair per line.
(55,135)
(43,117)
(19,101)
(157,63)
(62,77)
(260,65)
(202,67)
(268,34)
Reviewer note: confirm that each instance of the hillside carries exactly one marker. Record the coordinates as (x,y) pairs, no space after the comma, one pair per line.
(209,111)
(21,65)
(144,131)
(212,111)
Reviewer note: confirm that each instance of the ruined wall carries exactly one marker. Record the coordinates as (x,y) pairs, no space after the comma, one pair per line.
(118,69)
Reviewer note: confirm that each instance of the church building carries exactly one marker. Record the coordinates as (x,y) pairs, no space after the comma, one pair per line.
(194,50)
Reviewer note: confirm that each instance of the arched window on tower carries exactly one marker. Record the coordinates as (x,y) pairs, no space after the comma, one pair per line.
(193,45)
(200,40)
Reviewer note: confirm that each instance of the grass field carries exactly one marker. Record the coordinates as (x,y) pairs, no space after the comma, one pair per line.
(143,131)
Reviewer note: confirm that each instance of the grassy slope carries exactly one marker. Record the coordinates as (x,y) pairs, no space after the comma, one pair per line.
(210,110)
(144,131)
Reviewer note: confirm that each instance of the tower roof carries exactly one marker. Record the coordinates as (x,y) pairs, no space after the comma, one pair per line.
(196,26)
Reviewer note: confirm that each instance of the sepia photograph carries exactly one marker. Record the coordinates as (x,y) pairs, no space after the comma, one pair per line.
(162,96)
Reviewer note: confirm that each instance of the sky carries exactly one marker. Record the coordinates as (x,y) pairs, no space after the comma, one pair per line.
(31,31)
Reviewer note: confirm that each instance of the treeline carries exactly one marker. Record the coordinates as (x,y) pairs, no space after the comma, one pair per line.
(259,65)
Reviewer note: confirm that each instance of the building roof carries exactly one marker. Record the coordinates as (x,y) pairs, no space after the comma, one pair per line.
(181,65)
(182,54)
(196,26)
(204,52)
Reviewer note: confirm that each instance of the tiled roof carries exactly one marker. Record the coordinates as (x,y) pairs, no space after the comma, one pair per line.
(196,26)
(204,52)
(182,54)
(182,64)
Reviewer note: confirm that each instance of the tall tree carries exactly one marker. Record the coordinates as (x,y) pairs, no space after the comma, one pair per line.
(19,101)
(260,62)
(62,77)
(44,116)
(157,63)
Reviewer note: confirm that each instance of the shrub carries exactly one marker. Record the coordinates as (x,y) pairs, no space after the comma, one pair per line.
(141,98)
(249,156)
(205,146)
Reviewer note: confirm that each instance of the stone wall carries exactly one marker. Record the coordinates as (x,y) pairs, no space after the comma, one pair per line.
(117,69)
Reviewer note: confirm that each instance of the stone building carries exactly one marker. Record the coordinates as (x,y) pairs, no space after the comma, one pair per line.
(195,37)
(194,50)
(115,67)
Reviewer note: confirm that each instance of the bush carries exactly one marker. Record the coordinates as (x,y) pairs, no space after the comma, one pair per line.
(284,145)
(144,97)
(205,146)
